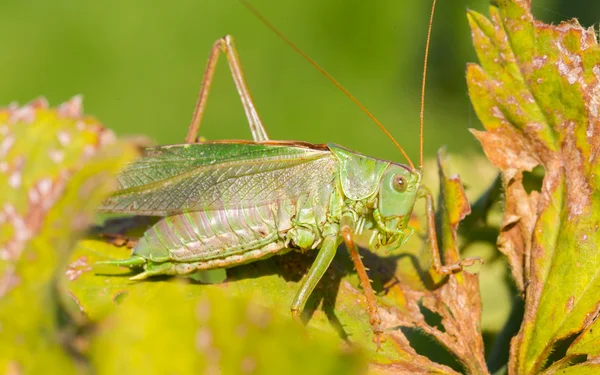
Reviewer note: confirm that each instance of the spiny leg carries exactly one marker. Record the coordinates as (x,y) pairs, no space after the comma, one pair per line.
(435,250)
(316,272)
(372,308)
(225,45)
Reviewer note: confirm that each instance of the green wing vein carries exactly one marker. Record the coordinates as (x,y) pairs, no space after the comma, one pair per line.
(172,179)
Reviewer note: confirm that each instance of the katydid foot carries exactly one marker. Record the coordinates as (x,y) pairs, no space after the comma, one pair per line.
(119,240)
(456,267)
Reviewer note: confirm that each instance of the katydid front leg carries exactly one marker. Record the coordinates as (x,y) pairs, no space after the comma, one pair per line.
(225,45)
(365,282)
(316,272)
(320,266)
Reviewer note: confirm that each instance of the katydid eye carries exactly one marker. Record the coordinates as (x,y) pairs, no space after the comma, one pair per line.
(399,183)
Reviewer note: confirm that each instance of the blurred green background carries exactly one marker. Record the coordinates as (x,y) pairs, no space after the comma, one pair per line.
(139,65)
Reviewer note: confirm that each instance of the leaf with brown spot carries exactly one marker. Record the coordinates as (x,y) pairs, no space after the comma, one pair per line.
(537,92)
(56,166)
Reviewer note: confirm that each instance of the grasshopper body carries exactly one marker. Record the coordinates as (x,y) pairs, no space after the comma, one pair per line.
(233,202)
(229,203)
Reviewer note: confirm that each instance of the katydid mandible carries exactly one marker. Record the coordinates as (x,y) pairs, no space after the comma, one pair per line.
(228,203)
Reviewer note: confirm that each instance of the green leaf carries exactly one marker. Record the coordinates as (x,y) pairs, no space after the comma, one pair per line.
(337,308)
(537,93)
(56,166)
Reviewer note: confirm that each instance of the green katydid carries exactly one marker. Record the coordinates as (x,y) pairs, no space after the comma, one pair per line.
(232,202)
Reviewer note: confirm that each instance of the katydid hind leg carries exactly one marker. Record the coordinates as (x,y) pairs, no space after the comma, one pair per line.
(432,237)
(226,45)
(365,282)
(316,272)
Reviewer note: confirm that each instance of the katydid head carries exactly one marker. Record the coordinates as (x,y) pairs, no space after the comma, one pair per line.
(398,191)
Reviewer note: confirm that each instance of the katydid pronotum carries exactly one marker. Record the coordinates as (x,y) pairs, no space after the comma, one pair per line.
(227,203)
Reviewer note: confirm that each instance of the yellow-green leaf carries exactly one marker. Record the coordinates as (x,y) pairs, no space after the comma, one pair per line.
(213,333)
(56,165)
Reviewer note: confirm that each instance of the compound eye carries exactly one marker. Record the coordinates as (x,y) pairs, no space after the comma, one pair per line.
(400,184)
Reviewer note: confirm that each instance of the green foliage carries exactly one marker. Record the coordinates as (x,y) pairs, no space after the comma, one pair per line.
(537,93)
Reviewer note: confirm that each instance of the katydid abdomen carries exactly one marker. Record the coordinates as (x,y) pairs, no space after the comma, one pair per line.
(199,240)
(216,238)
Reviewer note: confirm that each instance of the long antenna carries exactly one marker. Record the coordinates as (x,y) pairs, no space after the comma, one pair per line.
(422,114)
(329,77)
